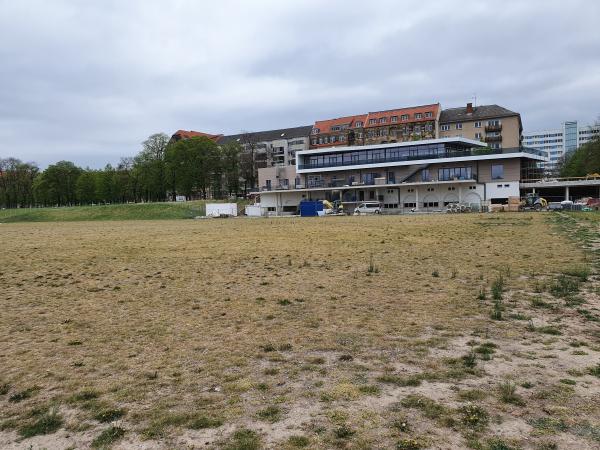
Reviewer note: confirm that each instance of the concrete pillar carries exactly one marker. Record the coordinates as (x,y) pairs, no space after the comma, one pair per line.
(416,198)
(460,193)
(566,192)
(533,190)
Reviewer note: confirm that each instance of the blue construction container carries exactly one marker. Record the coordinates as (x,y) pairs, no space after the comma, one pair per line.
(310,208)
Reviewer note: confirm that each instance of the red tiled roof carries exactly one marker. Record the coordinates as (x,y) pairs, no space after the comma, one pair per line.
(184,134)
(434,109)
(324,126)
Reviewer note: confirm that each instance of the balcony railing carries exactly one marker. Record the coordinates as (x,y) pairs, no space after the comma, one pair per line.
(493,138)
(497,127)
(368,183)
(455,154)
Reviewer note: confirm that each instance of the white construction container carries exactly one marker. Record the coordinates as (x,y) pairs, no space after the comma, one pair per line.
(255,210)
(221,209)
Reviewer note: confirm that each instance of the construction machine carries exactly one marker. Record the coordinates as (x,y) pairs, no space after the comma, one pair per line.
(533,201)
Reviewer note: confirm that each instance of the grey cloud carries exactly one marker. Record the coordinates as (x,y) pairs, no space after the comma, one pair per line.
(88,81)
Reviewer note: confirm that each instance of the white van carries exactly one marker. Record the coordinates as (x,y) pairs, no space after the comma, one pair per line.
(367,208)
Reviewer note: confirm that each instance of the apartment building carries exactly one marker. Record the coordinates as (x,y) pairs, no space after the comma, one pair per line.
(273,148)
(496,126)
(423,175)
(378,127)
(559,141)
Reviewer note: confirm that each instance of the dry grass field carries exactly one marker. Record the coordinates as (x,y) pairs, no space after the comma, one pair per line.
(441,331)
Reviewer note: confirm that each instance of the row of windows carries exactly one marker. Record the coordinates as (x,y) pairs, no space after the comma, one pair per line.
(381,120)
(459,126)
(394,119)
(404,131)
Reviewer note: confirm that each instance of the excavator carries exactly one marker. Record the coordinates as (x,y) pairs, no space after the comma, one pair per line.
(533,201)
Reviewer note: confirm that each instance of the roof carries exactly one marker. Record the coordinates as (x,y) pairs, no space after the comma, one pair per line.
(184,134)
(324,126)
(479,112)
(270,135)
(410,112)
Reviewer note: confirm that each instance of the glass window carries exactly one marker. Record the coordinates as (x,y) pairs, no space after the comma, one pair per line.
(497,171)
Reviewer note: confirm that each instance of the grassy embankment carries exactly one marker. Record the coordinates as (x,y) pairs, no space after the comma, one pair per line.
(138,211)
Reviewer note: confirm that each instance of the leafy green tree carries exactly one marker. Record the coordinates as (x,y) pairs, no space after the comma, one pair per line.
(16,183)
(194,165)
(231,165)
(85,187)
(105,188)
(583,161)
(58,184)
(149,168)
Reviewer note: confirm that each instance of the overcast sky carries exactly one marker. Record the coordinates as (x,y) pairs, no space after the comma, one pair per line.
(87,81)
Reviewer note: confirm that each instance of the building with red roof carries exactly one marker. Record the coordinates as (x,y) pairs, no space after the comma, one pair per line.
(378,127)
(184,134)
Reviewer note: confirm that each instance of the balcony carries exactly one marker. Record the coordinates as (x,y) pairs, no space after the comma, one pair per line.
(489,128)
(371,184)
(493,138)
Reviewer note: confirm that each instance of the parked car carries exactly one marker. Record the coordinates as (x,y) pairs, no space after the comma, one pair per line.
(368,208)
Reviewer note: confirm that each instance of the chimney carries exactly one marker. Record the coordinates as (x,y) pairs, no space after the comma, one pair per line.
(469,108)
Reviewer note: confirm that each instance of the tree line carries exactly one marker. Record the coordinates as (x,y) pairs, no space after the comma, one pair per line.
(195,168)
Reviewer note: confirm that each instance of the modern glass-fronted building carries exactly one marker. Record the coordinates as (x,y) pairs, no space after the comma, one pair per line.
(421,175)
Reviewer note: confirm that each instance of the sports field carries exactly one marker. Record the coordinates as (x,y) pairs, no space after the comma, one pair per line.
(406,332)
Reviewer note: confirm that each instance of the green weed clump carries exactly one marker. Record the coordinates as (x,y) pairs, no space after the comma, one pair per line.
(44,421)
(108,437)
(508,393)
(270,414)
(565,286)
(498,288)
(243,439)
(582,272)
(474,417)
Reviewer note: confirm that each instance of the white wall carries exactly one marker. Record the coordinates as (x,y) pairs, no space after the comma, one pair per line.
(502,189)
(269,199)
